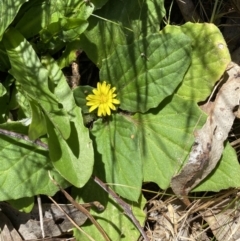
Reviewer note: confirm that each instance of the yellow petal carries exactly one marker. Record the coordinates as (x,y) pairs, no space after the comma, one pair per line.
(112,106)
(91,97)
(99,86)
(113,89)
(115,101)
(107,109)
(100,110)
(96,92)
(103,86)
(92,108)
(103,110)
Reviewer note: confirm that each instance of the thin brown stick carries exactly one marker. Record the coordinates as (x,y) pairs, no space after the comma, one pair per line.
(82,209)
(125,206)
(23,137)
(70,219)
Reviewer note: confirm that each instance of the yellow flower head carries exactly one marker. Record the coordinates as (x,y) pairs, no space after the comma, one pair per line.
(103,98)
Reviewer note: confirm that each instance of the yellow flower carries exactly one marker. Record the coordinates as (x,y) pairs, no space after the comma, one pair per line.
(103,98)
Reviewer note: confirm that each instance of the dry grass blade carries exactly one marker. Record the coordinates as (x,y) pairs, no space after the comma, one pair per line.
(70,219)
(126,207)
(82,209)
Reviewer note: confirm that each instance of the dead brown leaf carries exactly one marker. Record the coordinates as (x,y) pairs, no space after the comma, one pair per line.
(208,146)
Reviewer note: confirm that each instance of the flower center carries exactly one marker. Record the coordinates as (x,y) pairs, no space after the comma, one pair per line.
(103,99)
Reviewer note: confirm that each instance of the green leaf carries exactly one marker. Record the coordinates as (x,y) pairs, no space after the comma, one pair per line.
(33,77)
(43,13)
(4,61)
(210,57)
(69,54)
(27,69)
(24,167)
(8,11)
(80,94)
(24,204)
(3,91)
(117,150)
(73,157)
(23,104)
(147,71)
(74,167)
(225,175)
(116,224)
(165,138)
(37,127)
(66,29)
(120,22)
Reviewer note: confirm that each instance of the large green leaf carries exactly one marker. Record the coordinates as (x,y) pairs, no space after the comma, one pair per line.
(165,138)
(210,57)
(120,22)
(73,157)
(117,150)
(24,167)
(33,78)
(8,11)
(114,222)
(148,70)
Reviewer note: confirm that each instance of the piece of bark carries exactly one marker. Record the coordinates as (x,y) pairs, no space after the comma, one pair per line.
(7,231)
(209,141)
(74,79)
(55,222)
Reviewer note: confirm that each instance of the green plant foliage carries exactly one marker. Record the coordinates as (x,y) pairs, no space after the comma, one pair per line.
(66,159)
(225,175)
(8,11)
(76,152)
(2,90)
(114,222)
(33,77)
(156,133)
(80,94)
(49,16)
(117,144)
(37,127)
(69,54)
(163,142)
(24,167)
(148,70)
(210,58)
(4,61)
(159,76)
(24,204)
(120,22)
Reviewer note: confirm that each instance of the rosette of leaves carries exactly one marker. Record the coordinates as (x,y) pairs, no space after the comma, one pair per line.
(159,80)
